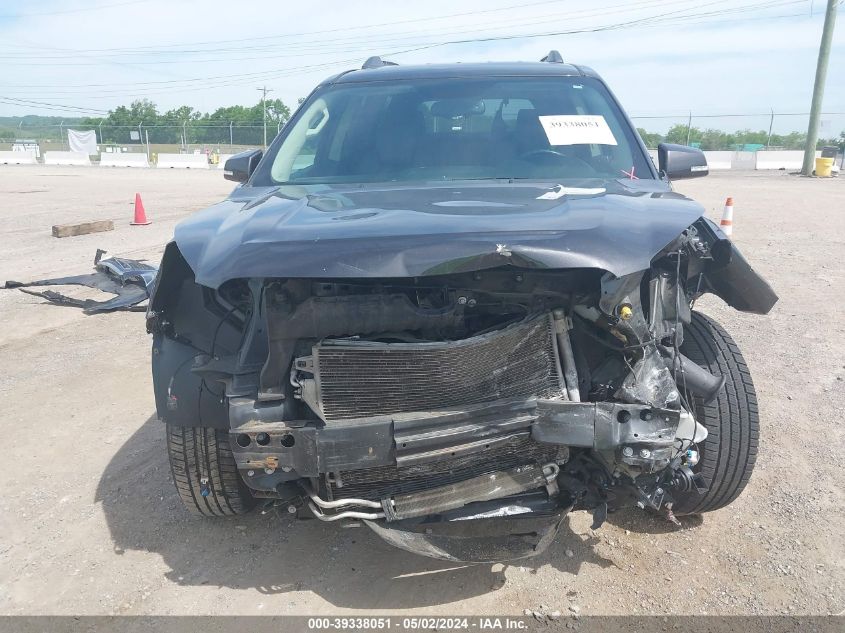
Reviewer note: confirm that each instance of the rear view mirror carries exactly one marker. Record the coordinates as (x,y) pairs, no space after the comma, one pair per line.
(240,166)
(454,108)
(680,161)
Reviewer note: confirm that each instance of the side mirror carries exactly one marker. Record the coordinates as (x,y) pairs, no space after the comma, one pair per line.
(680,161)
(240,166)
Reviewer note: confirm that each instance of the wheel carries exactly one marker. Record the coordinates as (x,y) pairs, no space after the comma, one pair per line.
(204,472)
(727,456)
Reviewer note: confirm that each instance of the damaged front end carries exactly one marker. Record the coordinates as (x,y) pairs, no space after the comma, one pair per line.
(462,415)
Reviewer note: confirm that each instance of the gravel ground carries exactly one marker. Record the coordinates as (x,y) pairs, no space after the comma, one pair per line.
(92,524)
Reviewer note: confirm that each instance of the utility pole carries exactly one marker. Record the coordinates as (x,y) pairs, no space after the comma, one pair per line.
(689,126)
(264,90)
(771,124)
(818,88)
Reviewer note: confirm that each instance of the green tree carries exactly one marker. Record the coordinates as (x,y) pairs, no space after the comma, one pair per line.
(277,112)
(711,139)
(833,142)
(651,139)
(748,137)
(678,134)
(246,123)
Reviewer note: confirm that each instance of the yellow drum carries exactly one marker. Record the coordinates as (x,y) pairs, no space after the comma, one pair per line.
(823,167)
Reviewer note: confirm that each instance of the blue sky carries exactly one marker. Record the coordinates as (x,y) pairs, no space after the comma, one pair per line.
(661,57)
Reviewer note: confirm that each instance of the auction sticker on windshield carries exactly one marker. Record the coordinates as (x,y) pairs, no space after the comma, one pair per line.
(577,129)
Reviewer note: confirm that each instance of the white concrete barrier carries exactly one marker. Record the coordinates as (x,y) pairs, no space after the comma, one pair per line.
(781,159)
(719,160)
(653,154)
(182,161)
(66,158)
(18,158)
(743,160)
(223,158)
(124,159)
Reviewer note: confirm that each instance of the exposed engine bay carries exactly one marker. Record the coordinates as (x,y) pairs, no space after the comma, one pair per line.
(499,399)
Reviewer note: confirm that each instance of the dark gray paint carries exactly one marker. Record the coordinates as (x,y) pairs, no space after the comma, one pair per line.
(406,230)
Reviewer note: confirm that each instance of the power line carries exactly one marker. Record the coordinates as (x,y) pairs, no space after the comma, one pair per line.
(66,11)
(395,41)
(320,44)
(54,106)
(337,30)
(414,36)
(308,49)
(649,19)
(168,86)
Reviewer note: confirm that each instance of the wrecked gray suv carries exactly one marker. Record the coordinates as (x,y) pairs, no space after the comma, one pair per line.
(455,303)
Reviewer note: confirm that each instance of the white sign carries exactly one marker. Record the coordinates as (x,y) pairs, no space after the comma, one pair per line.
(577,129)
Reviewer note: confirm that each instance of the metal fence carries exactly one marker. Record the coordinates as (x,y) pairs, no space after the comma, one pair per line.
(225,136)
(772,130)
(710,131)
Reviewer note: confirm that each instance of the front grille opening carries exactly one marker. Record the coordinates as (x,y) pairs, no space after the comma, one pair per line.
(384,481)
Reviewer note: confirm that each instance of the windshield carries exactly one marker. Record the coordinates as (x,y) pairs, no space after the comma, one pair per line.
(455,129)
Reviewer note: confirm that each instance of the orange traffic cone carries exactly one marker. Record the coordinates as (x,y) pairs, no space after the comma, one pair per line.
(140,214)
(727,223)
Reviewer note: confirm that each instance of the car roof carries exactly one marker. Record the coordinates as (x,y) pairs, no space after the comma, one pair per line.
(391,72)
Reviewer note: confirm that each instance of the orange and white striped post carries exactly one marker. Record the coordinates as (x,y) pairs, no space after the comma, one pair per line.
(727,223)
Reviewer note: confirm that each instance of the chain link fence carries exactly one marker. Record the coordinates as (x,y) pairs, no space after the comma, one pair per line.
(740,132)
(748,132)
(226,138)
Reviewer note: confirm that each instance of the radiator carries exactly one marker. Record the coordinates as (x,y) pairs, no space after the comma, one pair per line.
(358,379)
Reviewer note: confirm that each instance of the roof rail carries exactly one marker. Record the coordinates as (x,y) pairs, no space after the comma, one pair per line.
(553,58)
(377,62)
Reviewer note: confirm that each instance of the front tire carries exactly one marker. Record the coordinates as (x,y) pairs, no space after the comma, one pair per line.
(205,472)
(727,456)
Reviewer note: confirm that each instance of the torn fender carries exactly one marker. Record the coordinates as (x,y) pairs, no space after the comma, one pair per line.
(729,276)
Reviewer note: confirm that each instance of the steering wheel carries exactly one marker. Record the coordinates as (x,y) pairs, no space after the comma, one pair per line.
(551,157)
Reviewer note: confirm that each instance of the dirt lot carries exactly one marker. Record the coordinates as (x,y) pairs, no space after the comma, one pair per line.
(91,523)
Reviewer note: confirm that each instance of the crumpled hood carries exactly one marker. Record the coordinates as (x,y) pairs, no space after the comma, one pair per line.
(419,229)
